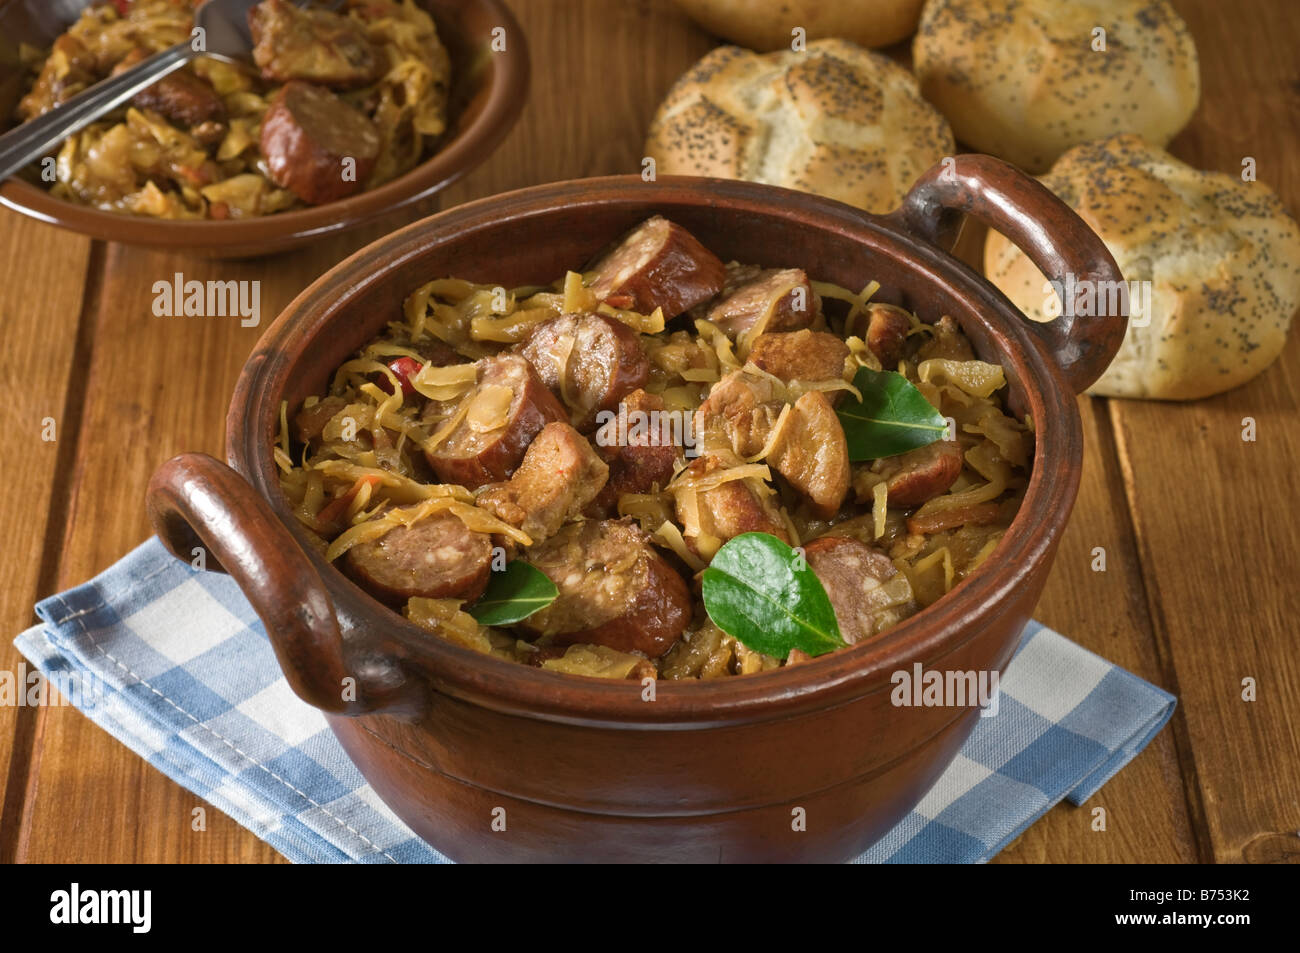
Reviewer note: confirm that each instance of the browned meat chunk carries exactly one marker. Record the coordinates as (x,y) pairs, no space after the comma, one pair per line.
(316,145)
(658,265)
(437,558)
(866,590)
(640,448)
(776,299)
(738,414)
(800,355)
(615,589)
(590,361)
(312,45)
(811,453)
(560,475)
(723,510)
(948,343)
(184,97)
(506,408)
(309,423)
(920,474)
(887,328)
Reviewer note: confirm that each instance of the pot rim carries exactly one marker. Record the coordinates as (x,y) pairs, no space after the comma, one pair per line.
(973,604)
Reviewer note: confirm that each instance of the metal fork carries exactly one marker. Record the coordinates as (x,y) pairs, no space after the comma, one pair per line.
(225,36)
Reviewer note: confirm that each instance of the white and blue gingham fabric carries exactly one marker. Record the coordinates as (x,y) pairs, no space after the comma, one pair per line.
(175,664)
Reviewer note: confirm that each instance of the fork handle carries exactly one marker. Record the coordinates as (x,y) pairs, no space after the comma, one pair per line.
(33,139)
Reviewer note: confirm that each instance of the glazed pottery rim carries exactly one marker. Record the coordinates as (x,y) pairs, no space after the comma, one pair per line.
(453,158)
(960,615)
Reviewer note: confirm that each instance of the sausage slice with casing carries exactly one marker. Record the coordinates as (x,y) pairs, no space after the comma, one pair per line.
(639,447)
(775,299)
(494,422)
(308,136)
(866,590)
(615,589)
(589,360)
(438,557)
(917,475)
(658,265)
(183,96)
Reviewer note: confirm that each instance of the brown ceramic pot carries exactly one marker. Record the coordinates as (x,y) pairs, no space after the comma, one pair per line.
(487,93)
(586,769)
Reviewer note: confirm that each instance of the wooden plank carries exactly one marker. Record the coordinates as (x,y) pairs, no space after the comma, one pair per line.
(156,386)
(1216,528)
(42,275)
(600,69)
(1146,818)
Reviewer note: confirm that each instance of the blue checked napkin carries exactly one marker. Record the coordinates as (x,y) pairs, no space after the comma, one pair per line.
(175,664)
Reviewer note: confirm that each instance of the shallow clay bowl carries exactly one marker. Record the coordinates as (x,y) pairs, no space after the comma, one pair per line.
(586,769)
(488,90)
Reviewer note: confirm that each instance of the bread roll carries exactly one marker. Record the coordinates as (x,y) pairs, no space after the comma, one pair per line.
(1022,79)
(764,25)
(835,119)
(1221,256)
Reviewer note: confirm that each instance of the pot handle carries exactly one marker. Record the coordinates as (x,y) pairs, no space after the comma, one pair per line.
(195,500)
(1054,237)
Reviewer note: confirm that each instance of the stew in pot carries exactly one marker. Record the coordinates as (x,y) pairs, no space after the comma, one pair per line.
(664,466)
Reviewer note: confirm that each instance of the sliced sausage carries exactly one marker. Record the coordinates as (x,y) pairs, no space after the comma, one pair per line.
(639,447)
(738,414)
(183,96)
(308,134)
(776,299)
(559,476)
(812,454)
(658,265)
(725,510)
(887,327)
(615,589)
(589,360)
(474,454)
(435,352)
(438,557)
(800,355)
(317,46)
(948,343)
(973,514)
(920,474)
(309,423)
(866,590)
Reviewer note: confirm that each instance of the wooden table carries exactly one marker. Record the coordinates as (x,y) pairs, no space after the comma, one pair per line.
(1199,526)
